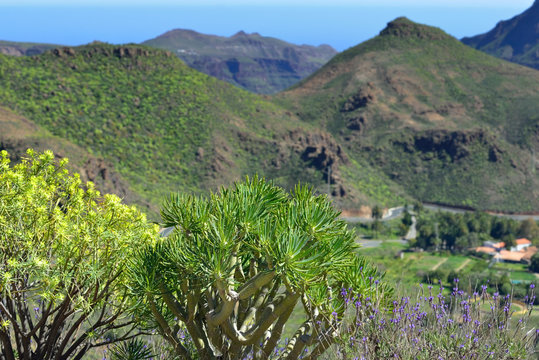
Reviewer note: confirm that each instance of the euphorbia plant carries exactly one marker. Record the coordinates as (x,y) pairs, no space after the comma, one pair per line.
(224,283)
(62,253)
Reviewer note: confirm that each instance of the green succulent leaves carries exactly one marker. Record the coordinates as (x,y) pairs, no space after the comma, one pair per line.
(237,264)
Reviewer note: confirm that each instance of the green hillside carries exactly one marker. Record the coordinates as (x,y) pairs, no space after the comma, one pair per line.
(164,126)
(410,114)
(18,134)
(448,123)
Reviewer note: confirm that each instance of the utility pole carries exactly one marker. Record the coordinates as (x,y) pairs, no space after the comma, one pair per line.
(533,160)
(437,235)
(329,181)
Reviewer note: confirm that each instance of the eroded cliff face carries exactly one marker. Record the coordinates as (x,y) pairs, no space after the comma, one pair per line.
(13,48)
(256,63)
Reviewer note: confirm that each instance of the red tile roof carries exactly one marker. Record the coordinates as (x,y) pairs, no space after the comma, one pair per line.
(522,241)
(485,249)
(510,255)
(529,253)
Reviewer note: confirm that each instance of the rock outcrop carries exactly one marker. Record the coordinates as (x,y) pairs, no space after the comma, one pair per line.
(251,61)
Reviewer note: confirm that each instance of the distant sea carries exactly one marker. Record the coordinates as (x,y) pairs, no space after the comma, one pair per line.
(340,26)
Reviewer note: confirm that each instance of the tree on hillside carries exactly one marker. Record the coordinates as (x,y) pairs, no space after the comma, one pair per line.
(504,229)
(529,229)
(469,241)
(534,265)
(224,284)
(407,219)
(62,252)
(426,235)
(377,212)
(376,225)
(418,208)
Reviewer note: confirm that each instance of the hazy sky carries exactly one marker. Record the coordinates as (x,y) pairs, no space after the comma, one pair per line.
(340,23)
(453,3)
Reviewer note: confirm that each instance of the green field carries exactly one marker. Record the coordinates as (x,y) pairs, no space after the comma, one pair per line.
(410,269)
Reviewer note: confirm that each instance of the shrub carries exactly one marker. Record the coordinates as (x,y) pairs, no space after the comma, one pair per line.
(436,326)
(236,265)
(534,265)
(435,276)
(62,250)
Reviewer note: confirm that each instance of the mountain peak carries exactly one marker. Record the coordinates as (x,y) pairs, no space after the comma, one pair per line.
(405,28)
(516,39)
(240,33)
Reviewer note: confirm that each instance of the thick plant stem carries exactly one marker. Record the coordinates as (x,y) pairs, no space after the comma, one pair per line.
(256,283)
(174,306)
(7,350)
(167,331)
(298,342)
(271,343)
(229,302)
(271,313)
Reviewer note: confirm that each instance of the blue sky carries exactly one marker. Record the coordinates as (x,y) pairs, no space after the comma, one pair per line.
(340,23)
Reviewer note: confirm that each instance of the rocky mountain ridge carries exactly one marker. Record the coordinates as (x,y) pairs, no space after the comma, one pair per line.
(516,39)
(435,116)
(14,48)
(253,62)
(410,114)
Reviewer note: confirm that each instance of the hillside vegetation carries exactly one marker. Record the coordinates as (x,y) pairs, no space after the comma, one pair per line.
(410,114)
(162,125)
(18,134)
(448,123)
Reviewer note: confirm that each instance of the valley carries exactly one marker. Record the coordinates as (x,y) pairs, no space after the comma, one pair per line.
(391,120)
(273,200)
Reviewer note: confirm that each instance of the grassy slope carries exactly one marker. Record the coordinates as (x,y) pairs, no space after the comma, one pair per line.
(420,79)
(162,125)
(19,133)
(149,114)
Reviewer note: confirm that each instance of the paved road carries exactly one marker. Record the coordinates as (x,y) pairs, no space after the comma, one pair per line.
(391,214)
(397,211)
(375,243)
(412,231)
(462,211)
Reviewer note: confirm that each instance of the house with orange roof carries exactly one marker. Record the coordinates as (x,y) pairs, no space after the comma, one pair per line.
(509,256)
(486,250)
(522,256)
(529,252)
(521,253)
(521,244)
(490,247)
(496,245)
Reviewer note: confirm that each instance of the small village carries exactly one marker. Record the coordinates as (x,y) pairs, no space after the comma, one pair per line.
(522,252)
